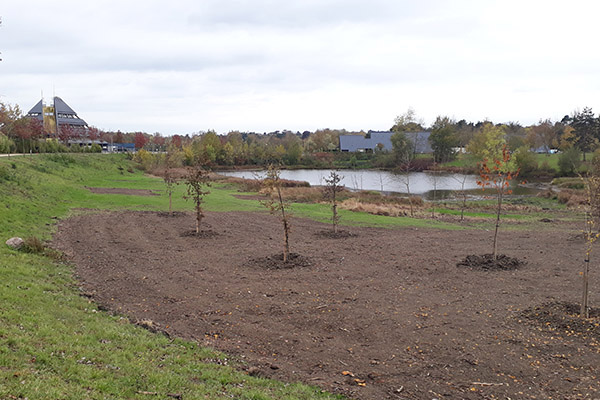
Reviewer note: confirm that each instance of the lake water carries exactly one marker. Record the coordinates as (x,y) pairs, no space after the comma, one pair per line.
(421,183)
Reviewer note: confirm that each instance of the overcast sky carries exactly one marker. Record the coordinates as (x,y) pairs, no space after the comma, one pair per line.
(263,65)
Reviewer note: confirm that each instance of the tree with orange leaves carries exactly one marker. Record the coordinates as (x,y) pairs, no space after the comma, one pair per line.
(497,175)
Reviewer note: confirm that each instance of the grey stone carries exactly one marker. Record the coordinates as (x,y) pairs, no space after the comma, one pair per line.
(15,242)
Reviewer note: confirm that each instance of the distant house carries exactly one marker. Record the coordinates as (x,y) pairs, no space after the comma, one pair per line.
(119,148)
(544,150)
(376,140)
(107,147)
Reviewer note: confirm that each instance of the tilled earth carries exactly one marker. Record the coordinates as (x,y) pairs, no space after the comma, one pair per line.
(378,313)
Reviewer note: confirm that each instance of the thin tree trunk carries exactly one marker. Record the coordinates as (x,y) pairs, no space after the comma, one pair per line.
(286,245)
(286,242)
(497,225)
(334,207)
(464,194)
(433,202)
(409,196)
(434,192)
(585,311)
(198,218)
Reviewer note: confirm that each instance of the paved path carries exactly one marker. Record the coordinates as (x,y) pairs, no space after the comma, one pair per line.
(16,154)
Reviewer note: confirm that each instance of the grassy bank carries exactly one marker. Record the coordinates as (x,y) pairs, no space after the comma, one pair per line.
(54,343)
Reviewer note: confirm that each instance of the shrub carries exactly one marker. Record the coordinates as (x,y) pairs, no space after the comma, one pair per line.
(96,148)
(564,196)
(421,164)
(6,144)
(569,161)
(546,169)
(526,161)
(548,194)
(60,158)
(6,174)
(33,245)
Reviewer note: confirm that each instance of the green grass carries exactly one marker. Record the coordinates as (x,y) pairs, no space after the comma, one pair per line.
(322,213)
(54,343)
(550,159)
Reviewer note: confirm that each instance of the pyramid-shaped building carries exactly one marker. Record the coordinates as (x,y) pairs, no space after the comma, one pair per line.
(55,115)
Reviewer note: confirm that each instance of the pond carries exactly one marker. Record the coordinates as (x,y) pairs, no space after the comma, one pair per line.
(420,183)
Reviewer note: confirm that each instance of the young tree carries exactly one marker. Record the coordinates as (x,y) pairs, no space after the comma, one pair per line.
(170,180)
(591,182)
(462,180)
(276,205)
(403,154)
(433,178)
(330,193)
(196,180)
(497,175)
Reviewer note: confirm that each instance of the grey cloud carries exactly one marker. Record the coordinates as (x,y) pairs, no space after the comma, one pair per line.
(304,14)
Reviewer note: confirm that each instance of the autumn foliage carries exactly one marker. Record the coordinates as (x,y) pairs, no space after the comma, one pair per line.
(330,192)
(277,205)
(497,175)
(197,180)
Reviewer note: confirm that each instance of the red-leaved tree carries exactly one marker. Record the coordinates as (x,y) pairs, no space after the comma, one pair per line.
(140,140)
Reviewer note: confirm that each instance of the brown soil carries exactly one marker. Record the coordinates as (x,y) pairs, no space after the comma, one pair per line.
(387,308)
(131,192)
(330,234)
(487,262)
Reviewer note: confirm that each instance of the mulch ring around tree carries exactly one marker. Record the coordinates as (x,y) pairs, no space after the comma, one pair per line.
(330,234)
(203,234)
(173,214)
(486,262)
(563,317)
(275,261)
(130,192)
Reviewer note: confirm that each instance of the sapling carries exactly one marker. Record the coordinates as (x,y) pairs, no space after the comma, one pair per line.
(591,183)
(404,178)
(170,183)
(330,192)
(433,178)
(497,176)
(462,180)
(276,205)
(196,180)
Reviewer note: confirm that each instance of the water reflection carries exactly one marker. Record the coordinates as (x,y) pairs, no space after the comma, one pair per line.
(420,183)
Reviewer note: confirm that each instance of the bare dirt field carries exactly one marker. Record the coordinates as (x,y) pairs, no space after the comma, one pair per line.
(380,313)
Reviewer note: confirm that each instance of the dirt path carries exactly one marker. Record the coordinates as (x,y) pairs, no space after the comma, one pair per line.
(383,314)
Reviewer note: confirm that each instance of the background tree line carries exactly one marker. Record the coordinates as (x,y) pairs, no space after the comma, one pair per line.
(574,135)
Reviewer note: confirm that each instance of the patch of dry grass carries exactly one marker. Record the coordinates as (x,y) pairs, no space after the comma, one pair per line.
(387,209)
